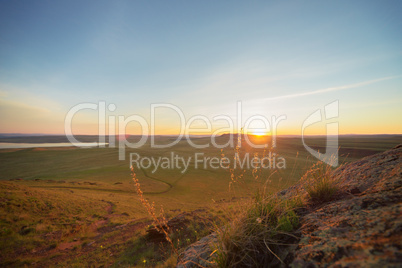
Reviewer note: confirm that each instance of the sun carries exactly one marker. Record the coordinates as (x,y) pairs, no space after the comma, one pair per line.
(258,132)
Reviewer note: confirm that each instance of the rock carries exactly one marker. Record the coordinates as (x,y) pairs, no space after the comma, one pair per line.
(198,254)
(362,229)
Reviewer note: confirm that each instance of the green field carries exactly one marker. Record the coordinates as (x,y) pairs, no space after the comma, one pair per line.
(55,201)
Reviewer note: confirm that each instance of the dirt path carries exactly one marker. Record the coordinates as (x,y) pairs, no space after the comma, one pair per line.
(158,180)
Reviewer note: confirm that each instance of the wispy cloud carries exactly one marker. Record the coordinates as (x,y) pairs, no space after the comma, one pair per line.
(22,107)
(325,90)
(26,98)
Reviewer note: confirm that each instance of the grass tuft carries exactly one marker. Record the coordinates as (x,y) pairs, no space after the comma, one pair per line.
(319,183)
(257,237)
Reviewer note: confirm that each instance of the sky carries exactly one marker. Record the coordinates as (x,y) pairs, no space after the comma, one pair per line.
(205,58)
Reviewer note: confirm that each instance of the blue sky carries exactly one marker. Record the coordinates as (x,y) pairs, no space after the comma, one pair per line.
(276,57)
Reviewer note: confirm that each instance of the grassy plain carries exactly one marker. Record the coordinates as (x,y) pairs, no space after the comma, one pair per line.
(78,206)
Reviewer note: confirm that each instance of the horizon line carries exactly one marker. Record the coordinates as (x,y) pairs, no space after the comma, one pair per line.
(194,135)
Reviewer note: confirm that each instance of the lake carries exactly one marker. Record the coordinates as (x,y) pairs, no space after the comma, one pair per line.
(10,145)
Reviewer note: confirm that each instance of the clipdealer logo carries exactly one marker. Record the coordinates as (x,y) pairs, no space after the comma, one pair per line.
(331,111)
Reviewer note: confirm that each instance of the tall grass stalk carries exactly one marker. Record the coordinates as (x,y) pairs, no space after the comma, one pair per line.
(159,222)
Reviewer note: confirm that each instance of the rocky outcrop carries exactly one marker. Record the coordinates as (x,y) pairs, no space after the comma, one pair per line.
(362,227)
(198,254)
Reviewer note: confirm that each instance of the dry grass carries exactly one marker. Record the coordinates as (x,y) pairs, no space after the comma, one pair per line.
(267,225)
(258,237)
(319,183)
(37,220)
(255,238)
(159,222)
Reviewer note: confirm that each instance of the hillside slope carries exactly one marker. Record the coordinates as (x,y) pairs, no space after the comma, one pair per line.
(360,227)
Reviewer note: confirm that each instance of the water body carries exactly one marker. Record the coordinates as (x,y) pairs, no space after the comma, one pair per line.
(10,145)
